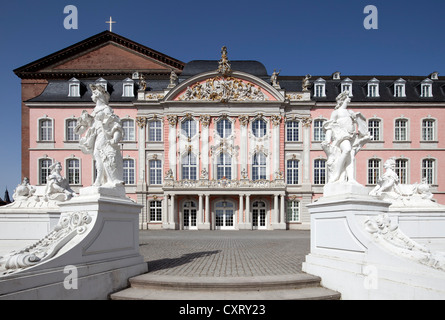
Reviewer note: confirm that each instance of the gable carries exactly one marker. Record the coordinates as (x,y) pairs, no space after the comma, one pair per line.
(110,57)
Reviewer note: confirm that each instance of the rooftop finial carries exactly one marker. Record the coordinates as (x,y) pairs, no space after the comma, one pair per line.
(224,65)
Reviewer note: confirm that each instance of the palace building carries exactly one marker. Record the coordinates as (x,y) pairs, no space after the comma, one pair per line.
(221,144)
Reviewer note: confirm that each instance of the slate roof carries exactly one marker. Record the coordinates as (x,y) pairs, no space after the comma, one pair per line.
(252,67)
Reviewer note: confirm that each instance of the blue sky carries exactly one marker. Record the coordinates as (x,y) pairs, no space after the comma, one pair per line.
(298,37)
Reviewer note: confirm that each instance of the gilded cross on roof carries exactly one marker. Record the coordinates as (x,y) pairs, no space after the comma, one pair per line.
(224,65)
(110,23)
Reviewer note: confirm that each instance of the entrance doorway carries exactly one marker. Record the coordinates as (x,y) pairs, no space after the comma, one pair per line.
(259,215)
(189,215)
(224,215)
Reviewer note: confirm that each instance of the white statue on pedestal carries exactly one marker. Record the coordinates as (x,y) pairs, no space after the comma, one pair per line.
(57,187)
(102,139)
(346,133)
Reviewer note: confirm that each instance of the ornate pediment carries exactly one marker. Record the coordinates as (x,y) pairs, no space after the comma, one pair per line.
(223,89)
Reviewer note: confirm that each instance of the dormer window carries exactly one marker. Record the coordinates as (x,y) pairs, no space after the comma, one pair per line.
(426,88)
(103,83)
(128,88)
(399,88)
(373,88)
(74,88)
(346,85)
(320,88)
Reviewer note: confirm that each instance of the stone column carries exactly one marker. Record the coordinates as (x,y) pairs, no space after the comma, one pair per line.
(275,210)
(141,182)
(248,222)
(241,209)
(205,122)
(276,120)
(244,121)
(171,218)
(165,212)
(206,223)
(306,124)
(172,120)
(282,211)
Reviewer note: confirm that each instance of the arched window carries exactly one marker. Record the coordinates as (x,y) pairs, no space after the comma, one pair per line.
(224,167)
(401,130)
(319,134)
(259,166)
(155,171)
(73,171)
(428,170)
(428,130)
(259,128)
(373,171)
(189,167)
(374,126)
(128,127)
(129,171)
(155,211)
(292,171)
(70,126)
(402,170)
(224,128)
(46,130)
(155,131)
(188,128)
(44,170)
(320,171)
(292,131)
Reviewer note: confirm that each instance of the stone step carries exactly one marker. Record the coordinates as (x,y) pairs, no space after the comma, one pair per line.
(299,286)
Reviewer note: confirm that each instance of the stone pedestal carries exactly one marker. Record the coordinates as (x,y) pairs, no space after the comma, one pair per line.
(97,236)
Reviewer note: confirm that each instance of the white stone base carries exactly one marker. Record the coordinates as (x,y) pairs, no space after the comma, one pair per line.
(279,226)
(21,224)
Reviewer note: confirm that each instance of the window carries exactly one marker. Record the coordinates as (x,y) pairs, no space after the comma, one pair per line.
(129,171)
(155,131)
(188,127)
(189,169)
(74,88)
(44,170)
(401,130)
(373,171)
(428,168)
(320,88)
(70,126)
(426,88)
(293,211)
(259,128)
(224,169)
(155,211)
(224,128)
(320,171)
(73,167)
(402,170)
(259,167)
(292,171)
(399,88)
(346,85)
(155,171)
(374,129)
(128,88)
(102,82)
(292,130)
(428,130)
(128,127)
(373,88)
(46,130)
(319,134)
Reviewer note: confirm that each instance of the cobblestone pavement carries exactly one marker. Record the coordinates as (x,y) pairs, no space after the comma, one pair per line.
(224,253)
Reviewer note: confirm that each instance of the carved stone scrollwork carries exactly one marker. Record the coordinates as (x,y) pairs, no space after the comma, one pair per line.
(141,122)
(205,120)
(306,122)
(276,120)
(244,120)
(172,120)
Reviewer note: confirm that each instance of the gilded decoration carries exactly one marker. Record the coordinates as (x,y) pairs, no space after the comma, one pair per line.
(224,66)
(141,122)
(223,89)
(276,119)
(205,120)
(243,120)
(172,120)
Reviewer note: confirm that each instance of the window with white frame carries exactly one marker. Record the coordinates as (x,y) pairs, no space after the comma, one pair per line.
(320,171)
(292,171)
(73,171)
(373,88)
(188,127)
(189,167)
(426,88)
(70,126)
(155,211)
(399,88)
(259,166)
(128,88)
(224,128)
(155,171)
(129,171)
(319,133)
(44,170)
(346,85)
(320,88)
(155,131)
(46,130)
(128,128)
(374,126)
(373,171)
(74,88)
(402,170)
(428,128)
(259,128)
(428,171)
(401,130)
(293,131)
(293,211)
(224,166)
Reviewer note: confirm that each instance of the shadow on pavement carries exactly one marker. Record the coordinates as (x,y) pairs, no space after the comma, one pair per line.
(161,264)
